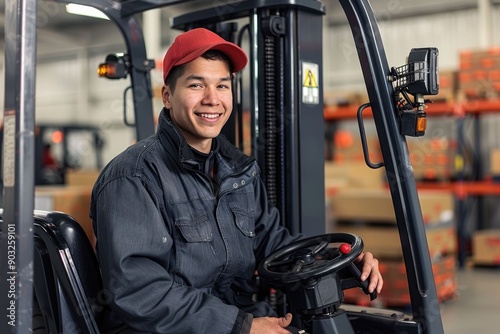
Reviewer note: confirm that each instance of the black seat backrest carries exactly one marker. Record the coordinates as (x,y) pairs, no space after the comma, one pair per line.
(66,279)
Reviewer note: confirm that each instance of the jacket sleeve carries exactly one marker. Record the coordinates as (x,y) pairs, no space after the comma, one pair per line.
(133,250)
(270,233)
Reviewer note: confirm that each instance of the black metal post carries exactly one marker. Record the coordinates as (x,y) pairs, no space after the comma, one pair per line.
(16,261)
(139,75)
(129,26)
(424,302)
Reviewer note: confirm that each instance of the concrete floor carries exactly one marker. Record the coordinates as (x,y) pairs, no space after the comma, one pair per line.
(476,309)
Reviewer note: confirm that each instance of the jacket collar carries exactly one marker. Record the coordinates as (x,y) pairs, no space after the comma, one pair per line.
(171,138)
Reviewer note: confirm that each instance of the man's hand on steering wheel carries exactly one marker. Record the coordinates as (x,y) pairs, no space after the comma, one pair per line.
(368,265)
(272,325)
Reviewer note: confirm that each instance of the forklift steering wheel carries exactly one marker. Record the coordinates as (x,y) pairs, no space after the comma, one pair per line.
(311,258)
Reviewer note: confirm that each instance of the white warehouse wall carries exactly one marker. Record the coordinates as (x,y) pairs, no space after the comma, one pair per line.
(449,32)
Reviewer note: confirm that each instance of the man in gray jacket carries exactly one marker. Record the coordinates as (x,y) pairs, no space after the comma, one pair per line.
(182,218)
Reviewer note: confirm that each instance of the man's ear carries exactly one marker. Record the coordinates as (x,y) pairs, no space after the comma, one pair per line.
(166,94)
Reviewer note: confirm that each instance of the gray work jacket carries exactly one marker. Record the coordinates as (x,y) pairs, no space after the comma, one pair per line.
(179,251)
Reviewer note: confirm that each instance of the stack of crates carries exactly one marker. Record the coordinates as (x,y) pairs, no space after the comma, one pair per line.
(369,213)
(479,74)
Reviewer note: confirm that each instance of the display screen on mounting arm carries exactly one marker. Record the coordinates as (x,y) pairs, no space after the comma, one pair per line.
(418,77)
(424,67)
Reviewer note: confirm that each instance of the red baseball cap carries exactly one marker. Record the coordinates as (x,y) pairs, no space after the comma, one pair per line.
(193,43)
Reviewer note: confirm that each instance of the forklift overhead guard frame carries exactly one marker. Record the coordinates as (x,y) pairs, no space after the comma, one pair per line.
(19,124)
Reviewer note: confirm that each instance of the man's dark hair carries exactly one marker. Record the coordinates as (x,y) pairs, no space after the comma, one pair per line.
(178,71)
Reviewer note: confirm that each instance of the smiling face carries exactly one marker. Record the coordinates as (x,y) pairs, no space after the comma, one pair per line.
(201,101)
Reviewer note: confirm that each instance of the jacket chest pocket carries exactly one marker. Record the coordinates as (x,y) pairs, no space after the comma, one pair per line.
(195,230)
(244,219)
(243,249)
(198,263)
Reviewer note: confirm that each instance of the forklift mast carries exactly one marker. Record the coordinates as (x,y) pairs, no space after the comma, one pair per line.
(286,116)
(286,99)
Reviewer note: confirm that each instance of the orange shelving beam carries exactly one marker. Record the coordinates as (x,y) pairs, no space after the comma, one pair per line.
(463,189)
(332,113)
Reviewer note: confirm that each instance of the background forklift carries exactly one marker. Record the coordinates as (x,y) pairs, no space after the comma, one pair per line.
(58,149)
(287,134)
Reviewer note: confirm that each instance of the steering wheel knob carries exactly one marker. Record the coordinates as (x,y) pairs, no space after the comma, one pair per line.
(345,249)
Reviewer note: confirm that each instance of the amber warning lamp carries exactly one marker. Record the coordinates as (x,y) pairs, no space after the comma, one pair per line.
(116,66)
(413,123)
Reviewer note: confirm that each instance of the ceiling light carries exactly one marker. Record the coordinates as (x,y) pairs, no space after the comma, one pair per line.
(85,11)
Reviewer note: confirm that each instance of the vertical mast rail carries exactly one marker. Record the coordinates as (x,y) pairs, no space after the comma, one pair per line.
(424,302)
(16,252)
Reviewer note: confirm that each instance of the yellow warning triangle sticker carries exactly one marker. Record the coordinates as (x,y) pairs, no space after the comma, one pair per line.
(310,80)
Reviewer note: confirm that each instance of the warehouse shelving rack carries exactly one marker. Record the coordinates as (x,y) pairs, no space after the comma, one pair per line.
(460,188)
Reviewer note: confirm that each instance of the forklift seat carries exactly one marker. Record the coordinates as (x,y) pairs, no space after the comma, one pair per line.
(66,278)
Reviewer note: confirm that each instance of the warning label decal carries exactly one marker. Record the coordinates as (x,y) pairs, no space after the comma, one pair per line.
(310,86)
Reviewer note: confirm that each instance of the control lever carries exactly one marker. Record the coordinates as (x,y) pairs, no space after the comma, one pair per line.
(355,280)
(362,284)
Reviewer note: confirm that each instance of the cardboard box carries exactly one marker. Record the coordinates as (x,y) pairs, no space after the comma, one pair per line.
(375,205)
(448,84)
(495,162)
(432,158)
(486,247)
(384,241)
(352,175)
(396,292)
(83,177)
(72,200)
(478,77)
(348,148)
(487,59)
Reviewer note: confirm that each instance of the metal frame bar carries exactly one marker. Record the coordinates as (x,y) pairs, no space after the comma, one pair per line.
(16,259)
(18,164)
(241,9)
(424,302)
(123,16)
